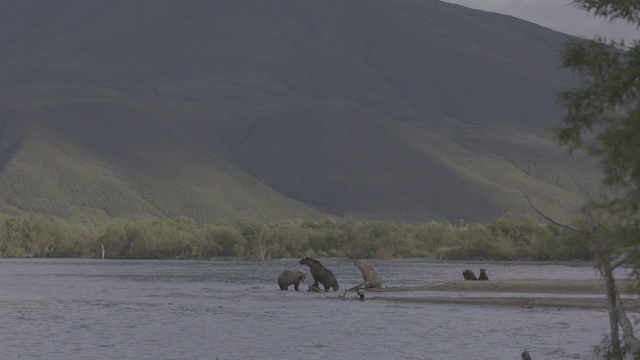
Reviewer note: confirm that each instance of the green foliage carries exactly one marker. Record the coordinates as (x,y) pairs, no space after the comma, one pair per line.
(41,237)
(254,234)
(224,240)
(603,114)
(113,239)
(612,9)
(509,237)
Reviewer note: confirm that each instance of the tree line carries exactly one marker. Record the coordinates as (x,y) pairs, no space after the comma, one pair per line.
(509,237)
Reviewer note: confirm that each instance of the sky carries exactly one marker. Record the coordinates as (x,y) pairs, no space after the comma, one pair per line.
(558,15)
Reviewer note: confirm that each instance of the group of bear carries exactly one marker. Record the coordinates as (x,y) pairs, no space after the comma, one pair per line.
(324,276)
(469,275)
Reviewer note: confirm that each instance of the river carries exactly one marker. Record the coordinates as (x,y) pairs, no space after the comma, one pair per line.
(227,309)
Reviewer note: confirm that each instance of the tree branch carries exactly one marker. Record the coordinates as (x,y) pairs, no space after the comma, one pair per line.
(549,219)
(621,260)
(598,245)
(627,328)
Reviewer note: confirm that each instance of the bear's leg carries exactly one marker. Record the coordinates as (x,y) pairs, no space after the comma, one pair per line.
(295,285)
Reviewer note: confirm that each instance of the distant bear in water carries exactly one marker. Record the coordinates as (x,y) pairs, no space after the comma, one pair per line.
(370,277)
(483,275)
(469,275)
(320,274)
(291,277)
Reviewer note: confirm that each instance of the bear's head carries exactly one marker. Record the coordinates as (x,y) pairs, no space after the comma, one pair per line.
(307,261)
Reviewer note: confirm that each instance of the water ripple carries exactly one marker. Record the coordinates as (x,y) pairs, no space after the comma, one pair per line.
(85,309)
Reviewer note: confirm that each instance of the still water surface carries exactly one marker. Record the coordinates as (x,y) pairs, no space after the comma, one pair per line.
(111,309)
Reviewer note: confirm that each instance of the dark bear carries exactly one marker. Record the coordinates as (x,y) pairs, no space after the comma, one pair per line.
(469,275)
(320,274)
(370,277)
(483,275)
(291,277)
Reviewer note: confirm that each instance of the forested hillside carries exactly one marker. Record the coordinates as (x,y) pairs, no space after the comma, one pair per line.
(272,109)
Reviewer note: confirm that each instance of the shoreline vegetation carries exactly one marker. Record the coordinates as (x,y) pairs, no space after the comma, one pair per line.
(525,293)
(508,238)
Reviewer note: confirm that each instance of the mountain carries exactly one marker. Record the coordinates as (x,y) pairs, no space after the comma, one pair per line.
(272,109)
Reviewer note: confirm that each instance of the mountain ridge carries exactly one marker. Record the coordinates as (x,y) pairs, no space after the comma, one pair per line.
(364,109)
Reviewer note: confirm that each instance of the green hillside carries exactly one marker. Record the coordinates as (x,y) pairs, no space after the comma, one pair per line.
(256,109)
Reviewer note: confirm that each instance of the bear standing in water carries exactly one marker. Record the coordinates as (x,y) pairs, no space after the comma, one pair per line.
(469,275)
(370,277)
(291,277)
(320,274)
(483,275)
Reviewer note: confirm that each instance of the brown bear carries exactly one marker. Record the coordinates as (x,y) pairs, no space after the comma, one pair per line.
(291,277)
(320,274)
(469,275)
(370,277)
(483,275)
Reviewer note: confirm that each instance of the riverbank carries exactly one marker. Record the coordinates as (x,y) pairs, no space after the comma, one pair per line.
(526,293)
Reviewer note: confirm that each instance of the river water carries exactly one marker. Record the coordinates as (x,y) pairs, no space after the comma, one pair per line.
(226,309)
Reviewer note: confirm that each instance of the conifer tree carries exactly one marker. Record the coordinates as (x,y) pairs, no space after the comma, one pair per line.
(603,113)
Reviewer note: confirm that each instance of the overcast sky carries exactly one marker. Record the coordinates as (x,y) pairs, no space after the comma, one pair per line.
(558,15)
